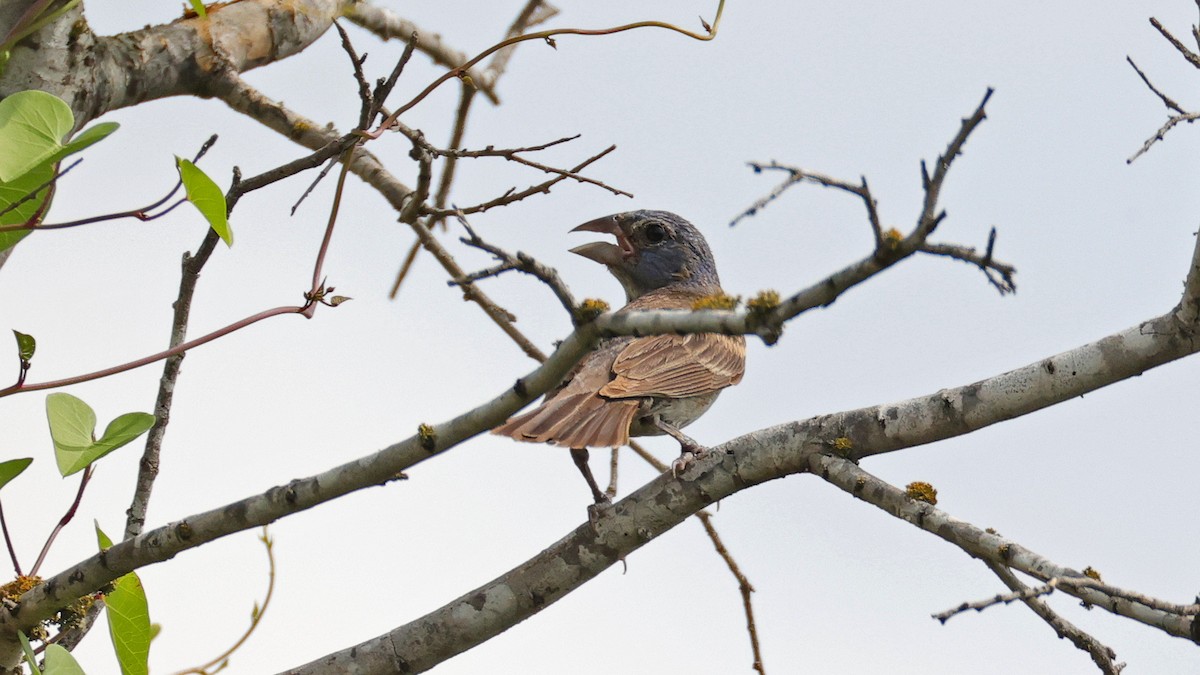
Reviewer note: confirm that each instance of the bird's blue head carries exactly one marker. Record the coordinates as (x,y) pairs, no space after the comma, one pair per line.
(654,249)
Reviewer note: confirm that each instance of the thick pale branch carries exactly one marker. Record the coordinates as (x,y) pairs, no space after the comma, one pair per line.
(749,460)
(98,74)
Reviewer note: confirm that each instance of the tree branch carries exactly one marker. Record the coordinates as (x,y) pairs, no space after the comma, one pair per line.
(98,74)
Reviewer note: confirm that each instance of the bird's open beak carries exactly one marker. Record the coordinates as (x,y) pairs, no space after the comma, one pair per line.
(603,252)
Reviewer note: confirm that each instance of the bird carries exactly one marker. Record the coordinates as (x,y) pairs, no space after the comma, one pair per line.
(640,386)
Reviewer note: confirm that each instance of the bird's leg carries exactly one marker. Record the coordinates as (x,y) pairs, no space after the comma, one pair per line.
(580,455)
(689,449)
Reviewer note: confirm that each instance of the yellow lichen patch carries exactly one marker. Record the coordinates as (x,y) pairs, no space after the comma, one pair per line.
(427,436)
(1091,573)
(921,491)
(717,301)
(842,444)
(591,308)
(14,589)
(72,614)
(763,303)
(892,238)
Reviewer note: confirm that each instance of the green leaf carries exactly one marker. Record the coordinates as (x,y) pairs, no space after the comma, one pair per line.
(73,429)
(204,194)
(60,662)
(128,619)
(32,126)
(16,190)
(25,345)
(87,138)
(123,430)
(13,468)
(198,8)
(30,657)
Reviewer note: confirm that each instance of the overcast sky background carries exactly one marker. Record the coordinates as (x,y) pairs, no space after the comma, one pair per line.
(848,89)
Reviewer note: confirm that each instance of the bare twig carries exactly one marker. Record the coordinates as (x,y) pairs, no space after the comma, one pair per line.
(1191,56)
(1167,100)
(613,464)
(12,552)
(34,192)
(1101,654)
(999,275)
(992,548)
(933,184)
(535,12)
(1172,120)
(797,175)
(744,587)
(387,24)
(1020,594)
(1162,132)
(546,36)
(512,195)
(62,522)
(255,616)
(520,261)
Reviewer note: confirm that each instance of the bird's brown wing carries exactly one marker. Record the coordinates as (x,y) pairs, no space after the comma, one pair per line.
(576,416)
(677,366)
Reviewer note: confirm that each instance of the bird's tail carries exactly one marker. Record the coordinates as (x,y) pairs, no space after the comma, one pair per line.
(574,421)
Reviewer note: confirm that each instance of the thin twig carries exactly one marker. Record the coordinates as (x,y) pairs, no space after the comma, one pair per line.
(613,464)
(534,12)
(62,522)
(152,358)
(522,262)
(1172,120)
(34,192)
(1191,56)
(1101,654)
(548,37)
(999,275)
(12,552)
(255,617)
(798,175)
(143,214)
(933,184)
(1167,100)
(512,195)
(744,587)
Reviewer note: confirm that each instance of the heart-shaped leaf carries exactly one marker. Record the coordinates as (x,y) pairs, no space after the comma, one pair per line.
(73,429)
(204,194)
(32,126)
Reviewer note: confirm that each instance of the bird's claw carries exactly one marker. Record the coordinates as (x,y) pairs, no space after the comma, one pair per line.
(686,460)
(599,510)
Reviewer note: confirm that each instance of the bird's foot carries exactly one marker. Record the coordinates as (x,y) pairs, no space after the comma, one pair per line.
(688,456)
(599,510)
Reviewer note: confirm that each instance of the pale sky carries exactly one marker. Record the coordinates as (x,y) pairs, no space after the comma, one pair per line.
(848,89)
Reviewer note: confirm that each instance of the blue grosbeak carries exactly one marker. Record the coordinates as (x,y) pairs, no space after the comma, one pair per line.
(640,386)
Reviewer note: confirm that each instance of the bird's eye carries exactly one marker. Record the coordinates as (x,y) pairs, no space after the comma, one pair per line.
(655,233)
